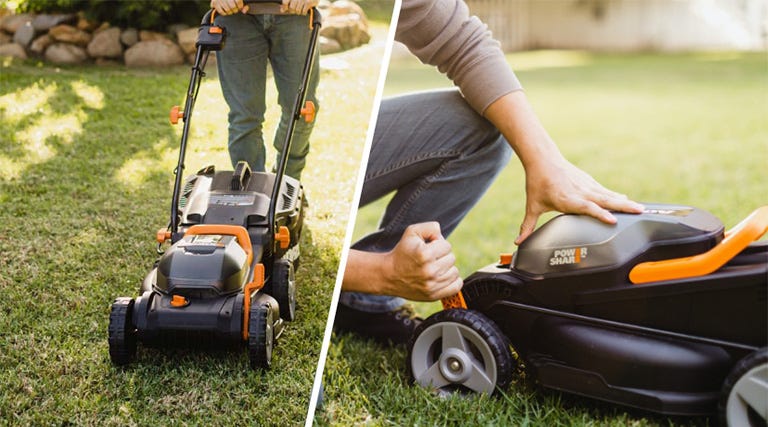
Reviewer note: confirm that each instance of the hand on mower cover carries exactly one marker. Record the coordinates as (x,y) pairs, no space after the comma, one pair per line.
(420,267)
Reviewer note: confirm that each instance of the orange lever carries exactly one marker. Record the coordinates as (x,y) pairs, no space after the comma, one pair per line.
(176,114)
(309,111)
(736,239)
(162,235)
(455,301)
(283,236)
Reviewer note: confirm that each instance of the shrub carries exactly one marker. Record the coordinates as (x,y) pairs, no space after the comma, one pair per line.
(142,14)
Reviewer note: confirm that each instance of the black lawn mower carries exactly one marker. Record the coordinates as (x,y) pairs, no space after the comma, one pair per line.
(227,279)
(663,311)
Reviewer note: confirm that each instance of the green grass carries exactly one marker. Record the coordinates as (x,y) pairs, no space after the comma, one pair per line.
(86,163)
(686,128)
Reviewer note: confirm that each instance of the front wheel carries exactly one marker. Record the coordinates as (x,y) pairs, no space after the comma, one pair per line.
(284,289)
(122,332)
(261,336)
(744,402)
(460,351)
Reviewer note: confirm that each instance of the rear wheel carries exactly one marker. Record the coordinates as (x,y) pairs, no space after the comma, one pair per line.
(284,289)
(122,332)
(460,351)
(743,402)
(260,336)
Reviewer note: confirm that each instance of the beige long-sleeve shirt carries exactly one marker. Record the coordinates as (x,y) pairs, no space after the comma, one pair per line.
(442,33)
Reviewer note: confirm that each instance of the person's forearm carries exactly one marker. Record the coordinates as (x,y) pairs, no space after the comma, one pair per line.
(514,117)
(364,272)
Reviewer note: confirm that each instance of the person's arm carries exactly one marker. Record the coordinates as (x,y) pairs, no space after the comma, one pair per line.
(552,183)
(420,268)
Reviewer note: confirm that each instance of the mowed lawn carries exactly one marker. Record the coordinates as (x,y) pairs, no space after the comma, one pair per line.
(86,171)
(678,128)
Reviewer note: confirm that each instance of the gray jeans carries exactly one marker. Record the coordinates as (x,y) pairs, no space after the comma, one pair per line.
(440,156)
(252,42)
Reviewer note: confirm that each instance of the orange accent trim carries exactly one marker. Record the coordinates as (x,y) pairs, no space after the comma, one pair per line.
(309,111)
(178,301)
(505,258)
(283,236)
(214,30)
(577,255)
(455,301)
(311,18)
(737,238)
(213,15)
(256,284)
(162,235)
(175,114)
(227,230)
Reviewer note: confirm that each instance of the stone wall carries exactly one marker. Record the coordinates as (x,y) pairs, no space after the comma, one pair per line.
(73,39)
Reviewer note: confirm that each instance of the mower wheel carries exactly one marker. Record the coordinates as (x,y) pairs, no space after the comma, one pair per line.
(743,401)
(122,332)
(460,350)
(284,288)
(261,336)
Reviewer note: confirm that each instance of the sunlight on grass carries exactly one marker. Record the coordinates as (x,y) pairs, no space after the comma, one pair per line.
(136,170)
(537,59)
(19,104)
(92,96)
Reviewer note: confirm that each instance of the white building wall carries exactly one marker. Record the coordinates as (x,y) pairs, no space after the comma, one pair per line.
(627,25)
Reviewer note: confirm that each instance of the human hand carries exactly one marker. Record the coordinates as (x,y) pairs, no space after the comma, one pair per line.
(555,184)
(421,267)
(298,7)
(228,7)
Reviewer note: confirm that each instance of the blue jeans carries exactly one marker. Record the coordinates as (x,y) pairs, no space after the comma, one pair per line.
(440,156)
(253,41)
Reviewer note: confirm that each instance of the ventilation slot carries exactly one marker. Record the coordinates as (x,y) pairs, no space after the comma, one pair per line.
(290,193)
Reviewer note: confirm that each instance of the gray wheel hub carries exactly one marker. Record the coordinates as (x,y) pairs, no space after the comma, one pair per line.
(462,359)
(750,391)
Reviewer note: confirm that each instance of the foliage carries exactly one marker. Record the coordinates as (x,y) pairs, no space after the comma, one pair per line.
(142,14)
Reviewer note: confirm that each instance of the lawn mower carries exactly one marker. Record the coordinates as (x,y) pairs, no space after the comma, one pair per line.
(227,279)
(663,311)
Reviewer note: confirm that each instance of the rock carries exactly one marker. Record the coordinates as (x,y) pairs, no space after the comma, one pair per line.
(11,23)
(349,30)
(13,50)
(5,38)
(129,37)
(345,7)
(41,43)
(45,22)
(65,53)
(175,28)
(69,34)
(85,24)
(24,35)
(145,36)
(106,62)
(328,46)
(187,39)
(154,53)
(106,44)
